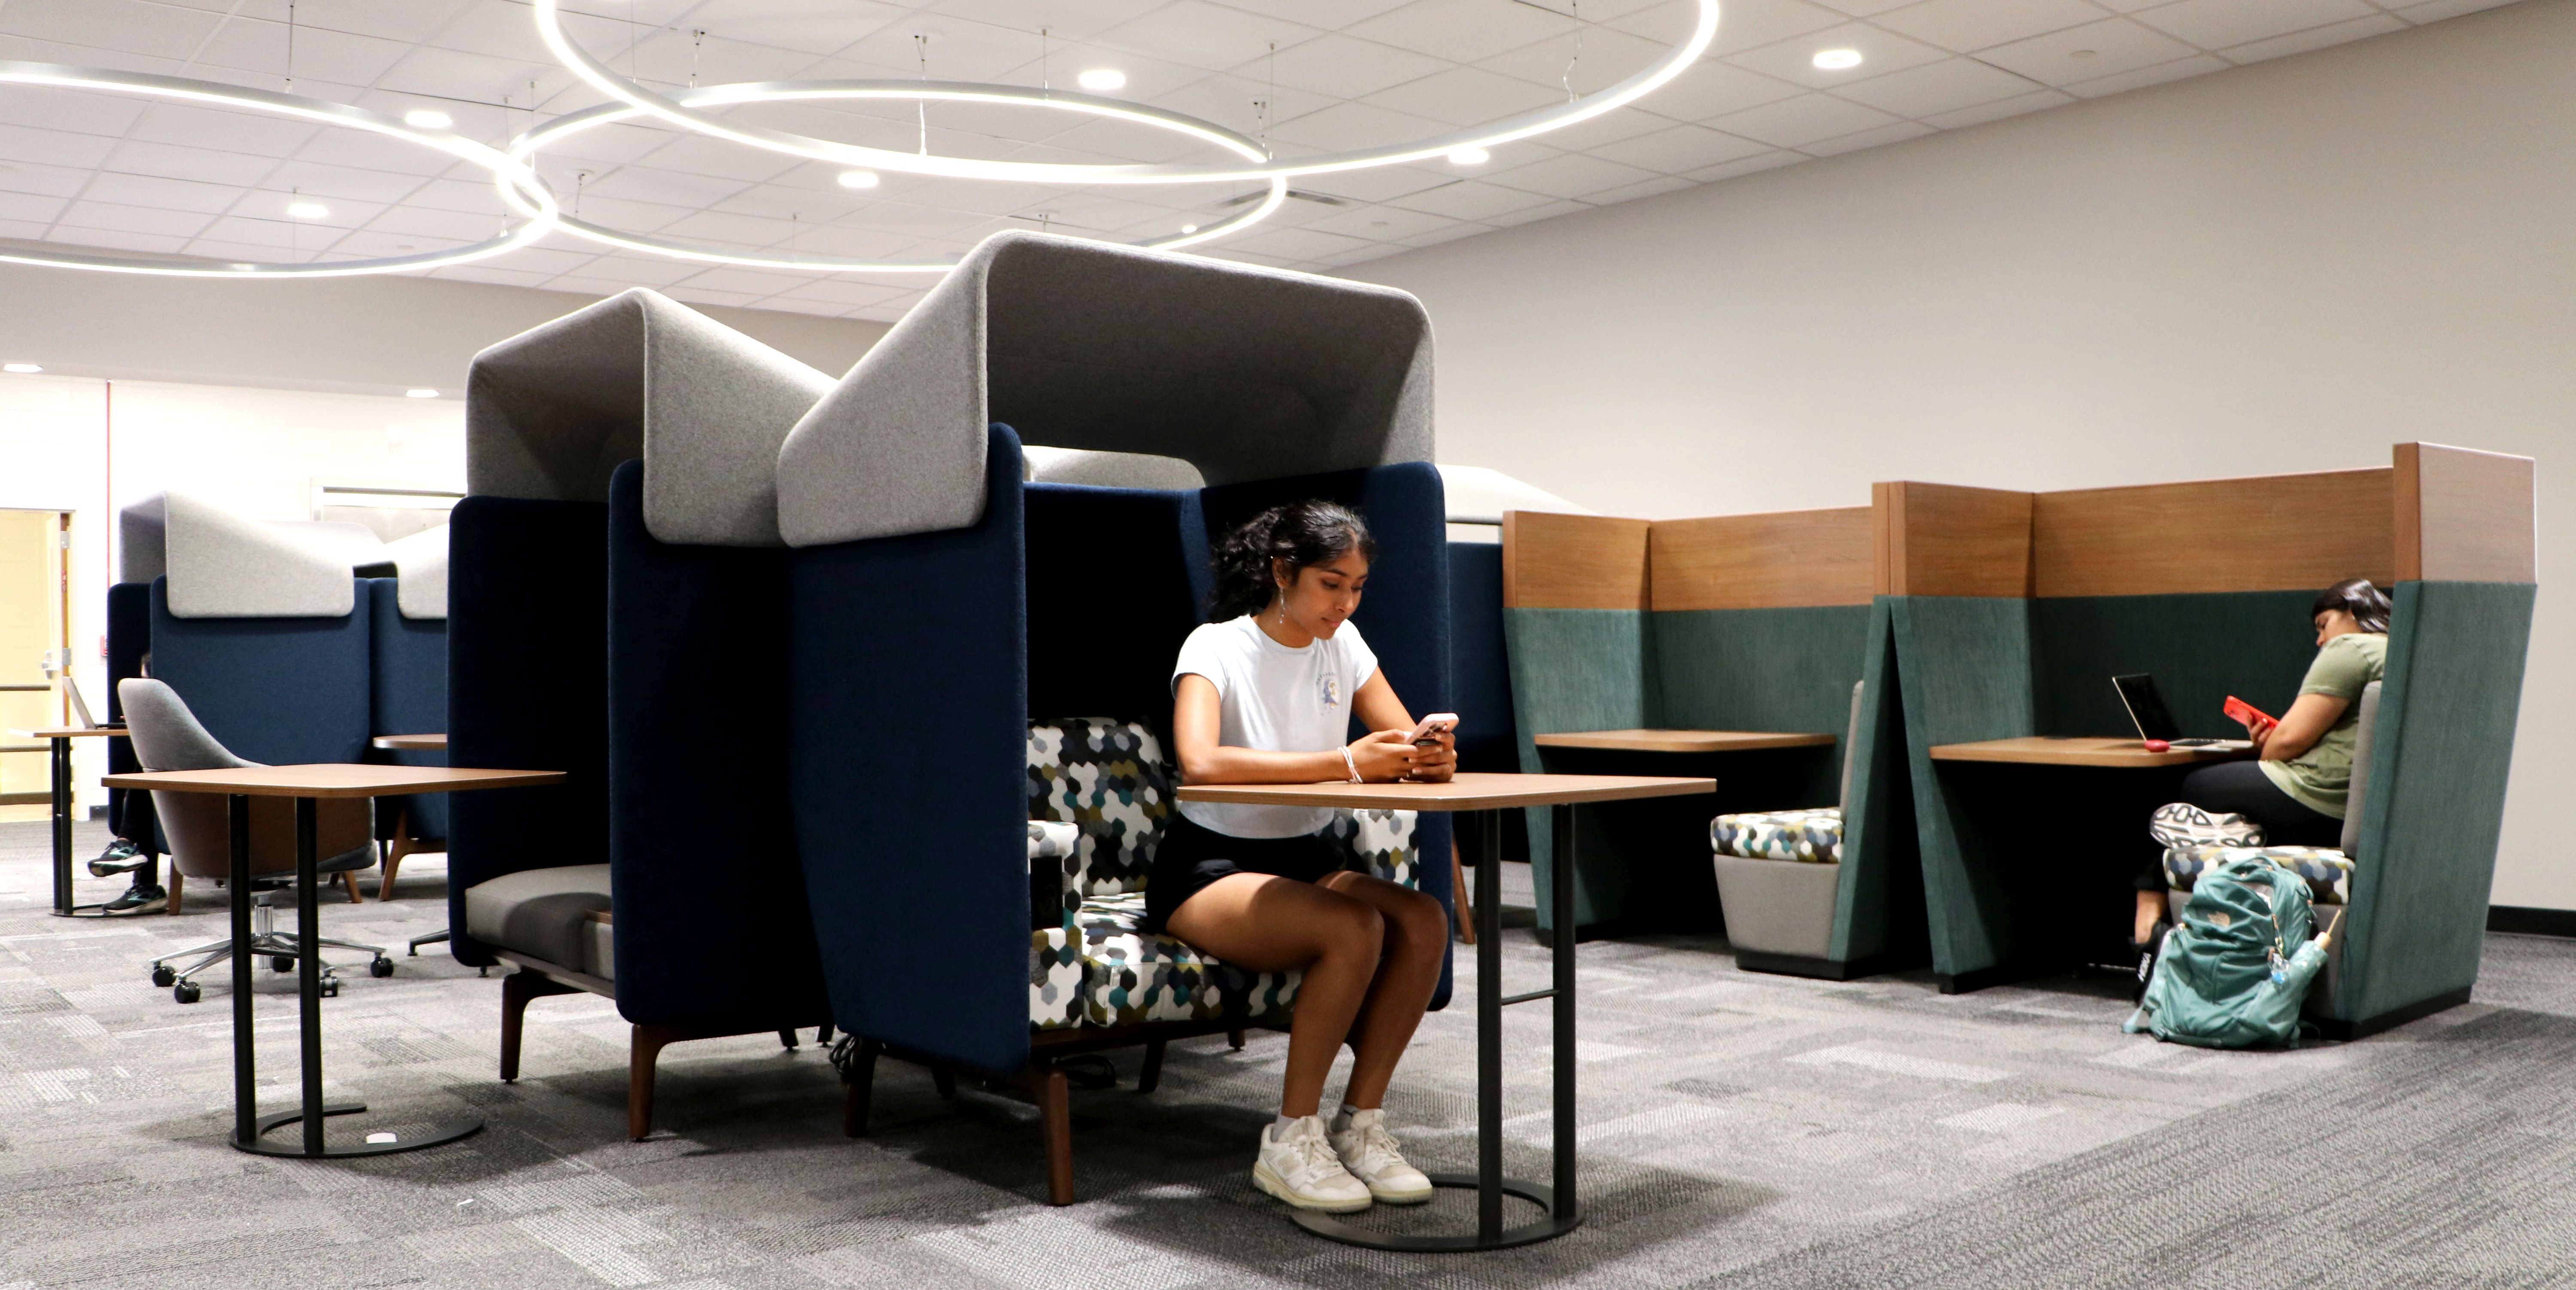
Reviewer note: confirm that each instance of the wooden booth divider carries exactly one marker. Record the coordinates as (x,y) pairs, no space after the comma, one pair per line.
(2206,585)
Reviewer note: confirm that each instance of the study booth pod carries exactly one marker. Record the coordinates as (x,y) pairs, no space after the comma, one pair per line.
(2012,612)
(617,610)
(982,666)
(1744,647)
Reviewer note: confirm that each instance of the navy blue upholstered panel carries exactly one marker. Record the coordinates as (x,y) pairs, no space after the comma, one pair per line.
(1112,593)
(527,689)
(129,638)
(276,690)
(408,686)
(1404,615)
(710,901)
(908,737)
(1480,666)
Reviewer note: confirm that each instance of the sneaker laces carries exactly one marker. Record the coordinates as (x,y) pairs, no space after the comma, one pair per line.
(1313,1151)
(1378,1149)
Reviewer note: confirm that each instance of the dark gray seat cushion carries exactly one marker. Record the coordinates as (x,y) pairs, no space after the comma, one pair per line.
(542,913)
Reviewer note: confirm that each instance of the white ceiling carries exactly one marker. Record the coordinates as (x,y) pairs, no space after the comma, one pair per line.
(96,170)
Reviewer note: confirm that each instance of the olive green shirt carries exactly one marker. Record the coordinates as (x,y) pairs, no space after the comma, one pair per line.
(2321,778)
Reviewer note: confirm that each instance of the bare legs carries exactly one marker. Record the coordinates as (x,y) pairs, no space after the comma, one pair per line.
(1370,950)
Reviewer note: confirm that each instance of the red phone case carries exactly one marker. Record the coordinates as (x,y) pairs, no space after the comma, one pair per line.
(2239,710)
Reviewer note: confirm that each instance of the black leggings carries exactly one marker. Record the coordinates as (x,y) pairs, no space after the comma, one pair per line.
(2241,788)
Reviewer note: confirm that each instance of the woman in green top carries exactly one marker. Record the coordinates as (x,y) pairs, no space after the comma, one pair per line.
(2297,790)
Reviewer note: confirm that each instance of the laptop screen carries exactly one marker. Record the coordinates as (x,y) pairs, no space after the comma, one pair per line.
(2146,707)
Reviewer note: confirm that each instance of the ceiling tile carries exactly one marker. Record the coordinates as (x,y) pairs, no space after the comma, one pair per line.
(2436,10)
(341,184)
(1681,149)
(78,111)
(2300,42)
(2215,24)
(1589,61)
(666,187)
(159,31)
(410,220)
(1533,214)
(1292,243)
(372,244)
(1751,24)
(1195,33)
(1609,127)
(1341,67)
(1067,19)
(1470,199)
(1945,86)
(1448,231)
(1378,223)
(492,272)
(1966,25)
(1863,8)
(276,239)
(1896,133)
(820,26)
(132,219)
(108,239)
(205,165)
(30,206)
(1651,188)
(454,195)
(1466,96)
(1464,31)
(2140,78)
(49,181)
(1794,123)
(58,147)
(1882,52)
(1999,109)
(1375,184)
(320,54)
(169,194)
(2089,52)
(1571,176)
(1349,127)
(1712,89)
(1750,165)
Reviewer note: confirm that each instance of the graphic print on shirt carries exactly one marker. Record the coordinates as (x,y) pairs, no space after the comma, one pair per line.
(1328,689)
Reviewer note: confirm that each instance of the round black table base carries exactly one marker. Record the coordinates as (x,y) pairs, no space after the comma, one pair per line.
(258,1145)
(1548,1228)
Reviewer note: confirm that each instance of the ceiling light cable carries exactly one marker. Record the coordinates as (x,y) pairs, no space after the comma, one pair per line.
(290,46)
(1568,78)
(921,107)
(697,54)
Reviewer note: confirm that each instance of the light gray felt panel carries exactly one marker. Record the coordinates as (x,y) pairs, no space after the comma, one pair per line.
(223,565)
(143,540)
(1245,373)
(420,573)
(551,412)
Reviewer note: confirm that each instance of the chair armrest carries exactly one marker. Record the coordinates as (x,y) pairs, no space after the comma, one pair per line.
(1053,899)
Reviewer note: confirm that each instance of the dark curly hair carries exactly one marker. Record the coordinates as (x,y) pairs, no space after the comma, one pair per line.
(1301,533)
(2367,604)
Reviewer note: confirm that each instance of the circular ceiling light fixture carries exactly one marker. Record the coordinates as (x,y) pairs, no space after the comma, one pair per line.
(526,146)
(1836,60)
(688,112)
(533,199)
(1102,79)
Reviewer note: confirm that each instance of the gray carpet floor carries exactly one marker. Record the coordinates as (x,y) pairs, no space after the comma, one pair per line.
(1737,1129)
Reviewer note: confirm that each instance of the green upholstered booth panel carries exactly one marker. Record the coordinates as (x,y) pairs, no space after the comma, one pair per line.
(1964,668)
(1763,669)
(2435,802)
(2201,648)
(1578,669)
(1878,913)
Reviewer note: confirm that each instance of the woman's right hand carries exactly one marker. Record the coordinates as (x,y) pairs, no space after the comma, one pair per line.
(1383,754)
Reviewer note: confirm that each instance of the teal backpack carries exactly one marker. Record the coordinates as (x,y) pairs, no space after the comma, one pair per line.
(2235,972)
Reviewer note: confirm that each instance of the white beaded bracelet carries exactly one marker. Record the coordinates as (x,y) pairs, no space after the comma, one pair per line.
(1347,761)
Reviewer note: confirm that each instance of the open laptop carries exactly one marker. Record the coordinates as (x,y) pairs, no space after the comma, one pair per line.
(2147,711)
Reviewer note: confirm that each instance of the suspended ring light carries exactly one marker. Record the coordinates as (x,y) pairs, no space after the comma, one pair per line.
(689,115)
(535,141)
(532,198)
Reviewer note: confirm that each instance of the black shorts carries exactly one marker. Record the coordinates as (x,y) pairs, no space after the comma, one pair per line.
(1192,856)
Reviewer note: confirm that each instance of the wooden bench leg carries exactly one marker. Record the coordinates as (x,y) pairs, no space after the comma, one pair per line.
(1055,1104)
(392,863)
(858,1092)
(1153,1072)
(178,885)
(644,1049)
(1235,1037)
(518,990)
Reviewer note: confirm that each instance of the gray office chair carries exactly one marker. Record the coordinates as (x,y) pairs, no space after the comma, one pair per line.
(167,736)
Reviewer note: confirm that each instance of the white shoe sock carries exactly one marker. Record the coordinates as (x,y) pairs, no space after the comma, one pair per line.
(1281,1124)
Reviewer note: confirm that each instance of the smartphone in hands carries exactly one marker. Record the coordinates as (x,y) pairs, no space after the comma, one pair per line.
(1432,727)
(2253,718)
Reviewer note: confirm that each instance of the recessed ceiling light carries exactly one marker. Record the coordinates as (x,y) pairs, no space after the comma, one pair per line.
(22,369)
(246,267)
(858,179)
(2079,53)
(1187,229)
(1835,60)
(1103,79)
(428,119)
(420,394)
(1470,157)
(308,210)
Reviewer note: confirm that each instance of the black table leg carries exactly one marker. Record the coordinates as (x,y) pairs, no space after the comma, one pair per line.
(245,1076)
(62,786)
(1559,1213)
(308,989)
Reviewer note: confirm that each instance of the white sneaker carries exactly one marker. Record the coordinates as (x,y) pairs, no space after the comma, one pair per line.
(1298,1166)
(1368,1151)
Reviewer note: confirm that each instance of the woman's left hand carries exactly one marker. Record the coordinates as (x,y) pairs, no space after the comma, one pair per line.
(1434,763)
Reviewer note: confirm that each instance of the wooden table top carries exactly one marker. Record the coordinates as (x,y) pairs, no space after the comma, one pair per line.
(1683,741)
(1470,791)
(68,732)
(409,741)
(2086,750)
(333,779)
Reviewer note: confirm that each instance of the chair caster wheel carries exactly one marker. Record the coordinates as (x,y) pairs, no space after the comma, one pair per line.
(164,977)
(331,988)
(187,992)
(380,966)
(281,963)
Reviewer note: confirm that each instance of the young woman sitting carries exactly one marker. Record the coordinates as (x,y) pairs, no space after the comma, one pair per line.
(2296,790)
(1264,694)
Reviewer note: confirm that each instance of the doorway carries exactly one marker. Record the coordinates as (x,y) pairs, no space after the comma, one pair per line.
(35,643)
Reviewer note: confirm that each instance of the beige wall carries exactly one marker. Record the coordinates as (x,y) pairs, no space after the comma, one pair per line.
(2284,267)
(375,335)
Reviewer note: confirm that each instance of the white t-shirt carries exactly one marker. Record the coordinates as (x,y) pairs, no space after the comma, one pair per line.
(1274,699)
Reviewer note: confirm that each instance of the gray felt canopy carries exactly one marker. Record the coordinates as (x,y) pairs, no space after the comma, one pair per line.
(551,412)
(1245,373)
